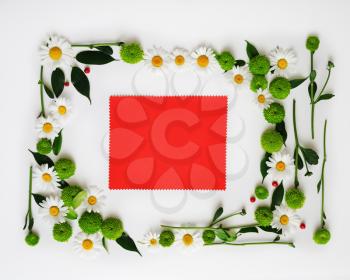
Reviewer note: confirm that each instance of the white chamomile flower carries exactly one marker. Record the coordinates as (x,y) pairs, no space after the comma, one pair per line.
(53,210)
(263,98)
(61,109)
(281,166)
(47,127)
(157,58)
(46,177)
(95,199)
(204,59)
(188,240)
(283,61)
(151,240)
(239,76)
(56,52)
(180,59)
(286,219)
(88,245)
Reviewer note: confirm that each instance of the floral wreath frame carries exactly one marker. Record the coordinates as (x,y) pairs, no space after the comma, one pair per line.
(96,231)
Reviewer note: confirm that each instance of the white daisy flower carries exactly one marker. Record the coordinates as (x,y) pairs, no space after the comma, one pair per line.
(263,98)
(61,109)
(46,178)
(204,59)
(88,245)
(56,52)
(180,59)
(151,240)
(53,210)
(281,166)
(157,58)
(286,219)
(239,76)
(47,127)
(95,199)
(283,61)
(188,240)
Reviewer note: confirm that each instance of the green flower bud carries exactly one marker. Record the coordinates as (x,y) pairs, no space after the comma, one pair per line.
(263,216)
(225,60)
(32,239)
(259,65)
(322,236)
(258,81)
(62,232)
(131,53)
(208,236)
(44,146)
(280,88)
(271,141)
(295,198)
(166,238)
(112,228)
(90,222)
(65,168)
(261,192)
(312,43)
(274,113)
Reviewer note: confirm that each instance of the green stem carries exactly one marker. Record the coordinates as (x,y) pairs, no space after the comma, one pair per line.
(208,227)
(325,84)
(296,150)
(242,212)
(312,97)
(323,168)
(29,216)
(291,244)
(41,83)
(96,45)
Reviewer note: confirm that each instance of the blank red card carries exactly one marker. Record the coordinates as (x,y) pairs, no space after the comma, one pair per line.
(167,142)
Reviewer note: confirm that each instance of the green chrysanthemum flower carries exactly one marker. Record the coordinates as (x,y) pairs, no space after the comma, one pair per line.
(271,141)
(208,236)
(166,238)
(68,194)
(280,88)
(259,65)
(62,232)
(261,192)
(131,53)
(65,168)
(295,198)
(90,222)
(274,113)
(263,215)
(112,228)
(44,146)
(226,60)
(322,236)
(32,239)
(258,81)
(312,43)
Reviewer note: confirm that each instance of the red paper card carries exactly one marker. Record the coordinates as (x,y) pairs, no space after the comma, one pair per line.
(167,142)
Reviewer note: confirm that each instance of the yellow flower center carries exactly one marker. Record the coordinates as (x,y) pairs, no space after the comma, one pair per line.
(238,79)
(55,53)
(62,110)
(179,60)
(46,177)
(153,242)
(92,200)
(284,220)
(54,211)
(261,98)
(47,127)
(203,61)
(187,239)
(157,61)
(87,244)
(280,166)
(282,63)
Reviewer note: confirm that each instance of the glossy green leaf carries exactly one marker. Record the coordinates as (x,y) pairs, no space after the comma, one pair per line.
(296,82)
(277,238)
(300,161)
(49,92)
(42,159)
(240,62)
(217,214)
(314,90)
(80,82)
(105,49)
(251,50)
(94,57)
(57,143)
(281,128)
(277,196)
(263,166)
(57,81)
(271,229)
(126,242)
(310,155)
(325,96)
(71,214)
(38,198)
(63,184)
(79,198)
(104,244)
(319,186)
(248,229)
(226,235)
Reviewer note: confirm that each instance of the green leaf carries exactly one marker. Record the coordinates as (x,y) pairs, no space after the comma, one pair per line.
(94,57)
(325,97)
(31,224)
(38,198)
(42,159)
(309,90)
(324,215)
(63,184)
(310,155)
(240,62)
(248,229)
(251,50)
(79,198)
(226,235)
(300,160)
(313,75)
(57,143)
(217,214)
(271,229)
(126,242)
(105,49)
(104,244)
(281,128)
(263,165)
(277,238)
(277,196)
(71,214)
(297,82)
(57,81)
(319,186)
(49,92)
(80,82)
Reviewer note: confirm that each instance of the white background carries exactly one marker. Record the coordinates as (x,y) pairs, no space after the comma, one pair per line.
(187,23)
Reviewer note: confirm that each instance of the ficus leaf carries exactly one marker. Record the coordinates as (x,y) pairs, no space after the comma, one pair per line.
(38,198)
(217,214)
(325,96)
(105,49)
(248,229)
(57,143)
(251,50)
(310,155)
(57,81)
(281,128)
(263,166)
(80,82)
(49,92)
(240,62)
(126,242)
(42,159)
(277,196)
(94,57)
(296,82)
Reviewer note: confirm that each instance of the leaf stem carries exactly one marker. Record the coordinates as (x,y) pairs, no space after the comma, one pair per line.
(325,84)
(41,83)
(242,212)
(312,95)
(322,173)
(291,244)
(91,46)
(29,216)
(296,150)
(208,227)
